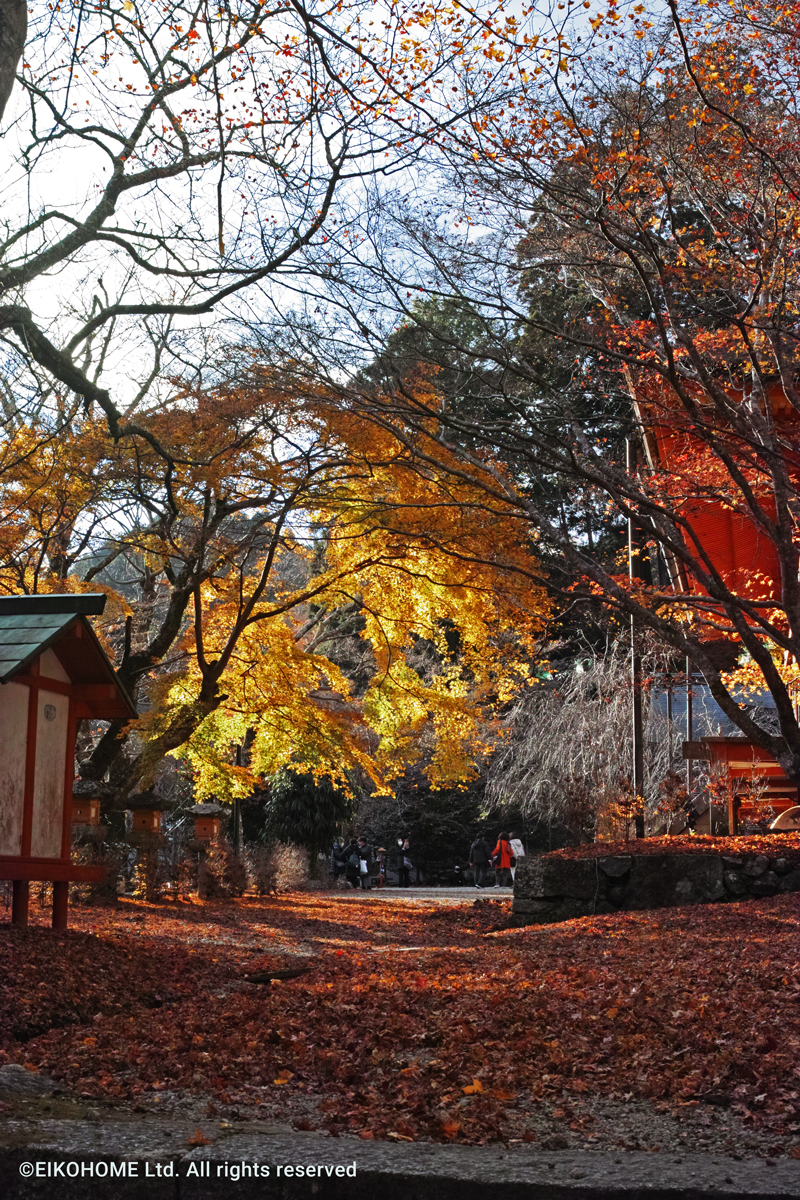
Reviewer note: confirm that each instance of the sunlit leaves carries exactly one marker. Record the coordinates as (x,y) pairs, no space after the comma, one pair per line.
(281,529)
(402,1026)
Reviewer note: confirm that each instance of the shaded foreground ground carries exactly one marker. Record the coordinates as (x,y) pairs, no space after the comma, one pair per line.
(419,1021)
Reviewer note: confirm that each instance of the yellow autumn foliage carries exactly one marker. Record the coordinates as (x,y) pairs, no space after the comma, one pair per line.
(282,529)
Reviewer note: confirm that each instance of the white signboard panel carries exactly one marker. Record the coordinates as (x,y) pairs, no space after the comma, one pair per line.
(48,787)
(13,741)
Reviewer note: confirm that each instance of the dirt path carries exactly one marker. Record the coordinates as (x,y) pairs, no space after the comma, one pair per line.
(419,1019)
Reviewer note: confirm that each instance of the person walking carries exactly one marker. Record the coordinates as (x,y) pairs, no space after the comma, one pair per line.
(517,852)
(365,850)
(336,867)
(404,863)
(479,855)
(501,857)
(352,869)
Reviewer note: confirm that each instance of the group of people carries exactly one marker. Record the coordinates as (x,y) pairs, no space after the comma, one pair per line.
(504,858)
(355,862)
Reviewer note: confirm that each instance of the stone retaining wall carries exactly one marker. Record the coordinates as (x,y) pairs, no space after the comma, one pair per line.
(549,888)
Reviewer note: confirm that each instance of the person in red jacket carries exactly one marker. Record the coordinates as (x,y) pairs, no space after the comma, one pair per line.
(501,857)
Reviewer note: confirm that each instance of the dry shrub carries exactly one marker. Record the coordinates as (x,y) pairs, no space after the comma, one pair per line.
(221,873)
(262,869)
(293,872)
(147,877)
(616,819)
(277,868)
(568,759)
(111,855)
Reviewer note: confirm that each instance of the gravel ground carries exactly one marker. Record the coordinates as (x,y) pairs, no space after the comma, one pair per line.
(208,1164)
(588,1124)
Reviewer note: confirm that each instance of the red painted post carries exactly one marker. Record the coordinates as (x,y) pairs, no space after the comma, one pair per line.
(20,901)
(60,904)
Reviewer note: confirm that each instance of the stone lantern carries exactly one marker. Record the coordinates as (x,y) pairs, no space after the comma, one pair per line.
(147,809)
(206,821)
(85,809)
(87,796)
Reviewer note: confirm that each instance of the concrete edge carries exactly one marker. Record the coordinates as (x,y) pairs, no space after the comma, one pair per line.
(154,1160)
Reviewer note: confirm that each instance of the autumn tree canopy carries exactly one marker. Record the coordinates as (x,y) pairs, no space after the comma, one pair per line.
(299,580)
(214,161)
(202,155)
(605,208)
(628,213)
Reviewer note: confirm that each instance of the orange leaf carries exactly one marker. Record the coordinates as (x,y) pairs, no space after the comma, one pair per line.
(612,1012)
(475,1086)
(198,1138)
(284,1077)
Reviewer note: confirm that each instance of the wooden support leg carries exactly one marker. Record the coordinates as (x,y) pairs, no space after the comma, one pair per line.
(60,904)
(20,900)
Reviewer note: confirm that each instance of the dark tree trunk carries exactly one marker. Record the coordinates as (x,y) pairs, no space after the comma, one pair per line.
(13,28)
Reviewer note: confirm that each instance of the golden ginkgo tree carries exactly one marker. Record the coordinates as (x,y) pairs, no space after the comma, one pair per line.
(290,575)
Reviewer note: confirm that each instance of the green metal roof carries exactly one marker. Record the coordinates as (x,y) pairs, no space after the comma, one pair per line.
(29,625)
(90,604)
(24,637)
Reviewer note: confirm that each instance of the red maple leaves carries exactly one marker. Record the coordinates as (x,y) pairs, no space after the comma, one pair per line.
(415,1021)
(774,845)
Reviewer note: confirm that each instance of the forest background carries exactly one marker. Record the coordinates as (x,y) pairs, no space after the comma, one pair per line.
(334,339)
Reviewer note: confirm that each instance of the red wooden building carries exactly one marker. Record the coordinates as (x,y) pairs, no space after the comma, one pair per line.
(747,562)
(745,558)
(53,674)
(756,783)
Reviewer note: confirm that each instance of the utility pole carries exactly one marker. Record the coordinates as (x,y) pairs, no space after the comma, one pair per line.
(689,731)
(636,676)
(237,813)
